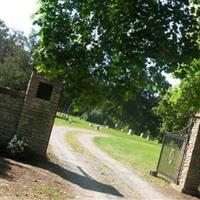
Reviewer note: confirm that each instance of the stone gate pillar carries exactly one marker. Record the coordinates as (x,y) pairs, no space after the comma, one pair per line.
(189,178)
(38,112)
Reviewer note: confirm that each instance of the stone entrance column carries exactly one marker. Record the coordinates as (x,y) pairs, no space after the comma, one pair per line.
(189,178)
(38,112)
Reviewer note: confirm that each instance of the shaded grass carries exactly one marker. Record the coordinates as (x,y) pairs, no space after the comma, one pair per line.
(59,121)
(50,193)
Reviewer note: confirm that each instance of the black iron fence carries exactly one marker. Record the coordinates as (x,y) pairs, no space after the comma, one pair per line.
(172,153)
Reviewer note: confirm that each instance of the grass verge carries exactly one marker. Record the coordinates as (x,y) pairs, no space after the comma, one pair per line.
(50,193)
(71,139)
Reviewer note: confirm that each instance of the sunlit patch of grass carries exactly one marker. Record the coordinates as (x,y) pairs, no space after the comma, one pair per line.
(51,193)
(136,155)
(141,157)
(3,188)
(71,139)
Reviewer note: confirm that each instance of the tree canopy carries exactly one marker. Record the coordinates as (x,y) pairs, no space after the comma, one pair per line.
(115,50)
(180,103)
(108,44)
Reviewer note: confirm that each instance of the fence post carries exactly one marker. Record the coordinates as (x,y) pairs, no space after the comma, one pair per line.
(163,142)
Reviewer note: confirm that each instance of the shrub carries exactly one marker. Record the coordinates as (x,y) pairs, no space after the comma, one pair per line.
(19,146)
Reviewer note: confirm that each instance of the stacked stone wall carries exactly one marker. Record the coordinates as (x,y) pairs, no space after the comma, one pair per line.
(37,116)
(11,103)
(32,114)
(190,174)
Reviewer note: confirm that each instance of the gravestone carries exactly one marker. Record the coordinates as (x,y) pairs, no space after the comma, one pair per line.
(129,131)
(97,127)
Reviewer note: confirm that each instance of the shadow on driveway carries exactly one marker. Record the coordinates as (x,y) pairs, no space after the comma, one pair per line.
(84,181)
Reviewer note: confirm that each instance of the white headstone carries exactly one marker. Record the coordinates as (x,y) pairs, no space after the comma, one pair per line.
(90,125)
(129,131)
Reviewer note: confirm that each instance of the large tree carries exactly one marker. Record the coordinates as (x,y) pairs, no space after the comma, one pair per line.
(181,103)
(15,65)
(107,44)
(116,49)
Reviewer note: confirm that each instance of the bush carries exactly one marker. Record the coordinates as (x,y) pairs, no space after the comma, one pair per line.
(19,146)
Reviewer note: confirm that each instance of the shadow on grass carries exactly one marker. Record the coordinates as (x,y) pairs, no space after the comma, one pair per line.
(84,181)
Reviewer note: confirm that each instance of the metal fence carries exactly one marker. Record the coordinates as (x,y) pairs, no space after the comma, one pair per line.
(171,155)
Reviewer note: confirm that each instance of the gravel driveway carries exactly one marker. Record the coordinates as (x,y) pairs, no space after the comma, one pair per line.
(99,177)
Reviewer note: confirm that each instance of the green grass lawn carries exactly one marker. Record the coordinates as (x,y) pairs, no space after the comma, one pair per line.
(136,153)
(80,123)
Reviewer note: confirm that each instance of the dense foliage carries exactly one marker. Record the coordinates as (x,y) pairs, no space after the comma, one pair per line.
(19,147)
(15,63)
(182,102)
(116,52)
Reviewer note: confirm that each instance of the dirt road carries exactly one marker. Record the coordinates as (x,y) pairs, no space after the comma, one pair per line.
(98,177)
